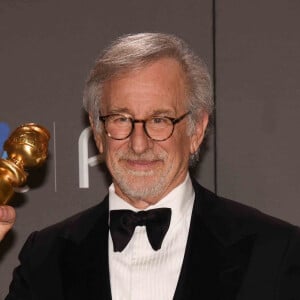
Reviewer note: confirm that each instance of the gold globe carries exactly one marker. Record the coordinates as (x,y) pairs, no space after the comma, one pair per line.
(26,147)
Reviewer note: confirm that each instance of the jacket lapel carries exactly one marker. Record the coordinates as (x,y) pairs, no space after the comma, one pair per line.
(85,272)
(217,252)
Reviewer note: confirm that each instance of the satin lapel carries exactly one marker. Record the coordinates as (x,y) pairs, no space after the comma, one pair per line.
(85,265)
(213,266)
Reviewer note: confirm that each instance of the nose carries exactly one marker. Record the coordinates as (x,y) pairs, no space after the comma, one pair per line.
(138,140)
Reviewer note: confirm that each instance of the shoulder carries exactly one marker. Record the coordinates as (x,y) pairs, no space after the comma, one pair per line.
(74,228)
(232,215)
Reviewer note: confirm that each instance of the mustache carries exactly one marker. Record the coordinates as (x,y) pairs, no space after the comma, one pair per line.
(147,156)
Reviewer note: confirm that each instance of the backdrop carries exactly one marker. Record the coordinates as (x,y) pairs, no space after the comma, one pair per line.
(251,48)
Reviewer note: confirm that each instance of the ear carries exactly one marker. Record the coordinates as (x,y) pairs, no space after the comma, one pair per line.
(199,133)
(97,135)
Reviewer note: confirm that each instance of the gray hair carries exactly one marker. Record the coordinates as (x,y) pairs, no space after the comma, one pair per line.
(136,51)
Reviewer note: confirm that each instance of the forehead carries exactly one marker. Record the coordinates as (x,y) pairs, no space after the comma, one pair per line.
(159,85)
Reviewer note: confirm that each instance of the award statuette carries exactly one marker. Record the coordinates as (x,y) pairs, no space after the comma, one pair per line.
(26,147)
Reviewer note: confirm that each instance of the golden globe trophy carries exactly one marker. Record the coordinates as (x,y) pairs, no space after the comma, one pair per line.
(26,147)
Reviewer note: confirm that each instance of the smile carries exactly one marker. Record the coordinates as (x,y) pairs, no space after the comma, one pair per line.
(142,165)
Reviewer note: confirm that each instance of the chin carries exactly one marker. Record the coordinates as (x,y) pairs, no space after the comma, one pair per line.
(141,188)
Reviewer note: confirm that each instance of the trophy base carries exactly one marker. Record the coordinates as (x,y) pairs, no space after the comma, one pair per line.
(6,192)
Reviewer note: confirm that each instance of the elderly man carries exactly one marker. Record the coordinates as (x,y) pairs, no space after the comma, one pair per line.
(158,234)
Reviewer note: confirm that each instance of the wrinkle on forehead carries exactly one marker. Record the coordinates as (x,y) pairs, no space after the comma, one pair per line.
(145,89)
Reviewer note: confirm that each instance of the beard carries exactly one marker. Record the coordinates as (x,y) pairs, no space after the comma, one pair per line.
(141,184)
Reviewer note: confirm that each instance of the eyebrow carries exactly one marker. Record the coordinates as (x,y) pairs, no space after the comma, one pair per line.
(163,112)
(156,112)
(119,111)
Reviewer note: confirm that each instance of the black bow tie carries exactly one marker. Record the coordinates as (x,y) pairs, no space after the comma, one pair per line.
(123,223)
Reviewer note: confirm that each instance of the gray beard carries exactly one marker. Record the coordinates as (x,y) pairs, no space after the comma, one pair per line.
(128,185)
(129,188)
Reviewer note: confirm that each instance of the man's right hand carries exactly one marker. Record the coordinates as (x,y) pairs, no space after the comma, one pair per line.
(7,219)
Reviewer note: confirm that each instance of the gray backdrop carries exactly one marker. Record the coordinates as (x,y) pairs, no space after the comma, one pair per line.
(251,47)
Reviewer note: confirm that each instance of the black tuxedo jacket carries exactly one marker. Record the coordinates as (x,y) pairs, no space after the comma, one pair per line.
(233,252)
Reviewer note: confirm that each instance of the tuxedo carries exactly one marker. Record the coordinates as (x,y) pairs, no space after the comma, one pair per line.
(233,252)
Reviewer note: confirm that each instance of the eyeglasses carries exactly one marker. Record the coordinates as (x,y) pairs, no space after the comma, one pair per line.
(120,127)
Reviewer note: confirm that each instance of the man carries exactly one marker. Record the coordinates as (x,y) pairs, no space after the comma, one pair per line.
(149,101)
(7,219)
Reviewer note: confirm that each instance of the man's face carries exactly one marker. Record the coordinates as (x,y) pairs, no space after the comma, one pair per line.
(143,170)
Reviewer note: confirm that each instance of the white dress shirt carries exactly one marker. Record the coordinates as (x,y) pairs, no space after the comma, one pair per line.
(141,273)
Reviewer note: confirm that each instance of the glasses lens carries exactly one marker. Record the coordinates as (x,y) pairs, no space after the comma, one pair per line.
(118,126)
(159,128)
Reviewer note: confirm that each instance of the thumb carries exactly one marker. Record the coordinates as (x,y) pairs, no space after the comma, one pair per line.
(7,219)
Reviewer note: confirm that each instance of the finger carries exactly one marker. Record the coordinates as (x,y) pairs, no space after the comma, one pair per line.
(7,214)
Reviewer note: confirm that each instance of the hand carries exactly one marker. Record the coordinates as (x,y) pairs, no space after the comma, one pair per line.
(7,219)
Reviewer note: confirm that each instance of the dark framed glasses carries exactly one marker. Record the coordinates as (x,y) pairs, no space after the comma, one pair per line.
(120,127)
